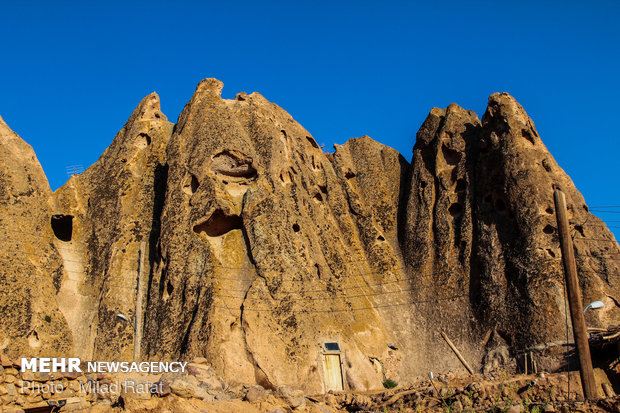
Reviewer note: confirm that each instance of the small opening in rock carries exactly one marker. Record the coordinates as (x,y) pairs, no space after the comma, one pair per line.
(549,210)
(527,135)
(461,185)
(548,229)
(500,205)
(585,208)
(312,142)
(190,184)
(380,238)
(218,224)
(423,184)
(295,227)
(349,175)
(142,140)
(551,253)
(456,210)
(146,137)
(157,115)
(488,199)
(451,156)
(284,134)
(318,197)
(579,228)
(323,189)
(169,288)
(234,164)
(62,225)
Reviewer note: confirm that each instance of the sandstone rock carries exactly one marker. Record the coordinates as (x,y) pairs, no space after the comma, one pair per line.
(515,409)
(113,205)
(182,388)
(30,272)
(295,398)
(259,248)
(200,360)
(255,393)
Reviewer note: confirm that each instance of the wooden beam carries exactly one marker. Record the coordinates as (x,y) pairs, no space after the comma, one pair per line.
(137,339)
(574,298)
(458,353)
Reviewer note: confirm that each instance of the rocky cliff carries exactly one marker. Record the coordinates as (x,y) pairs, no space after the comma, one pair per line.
(254,247)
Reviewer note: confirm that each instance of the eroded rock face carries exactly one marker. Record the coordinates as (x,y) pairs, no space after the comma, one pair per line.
(30,268)
(481,225)
(115,205)
(261,259)
(259,248)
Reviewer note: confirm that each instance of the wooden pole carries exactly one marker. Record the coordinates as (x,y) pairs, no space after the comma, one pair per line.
(139,322)
(574,299)
(458,353)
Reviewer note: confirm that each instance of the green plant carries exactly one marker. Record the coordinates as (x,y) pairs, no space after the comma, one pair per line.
(389,383)
(48,319)
(535,409)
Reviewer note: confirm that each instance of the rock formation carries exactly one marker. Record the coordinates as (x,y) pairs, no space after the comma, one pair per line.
(30,268)
(258,247)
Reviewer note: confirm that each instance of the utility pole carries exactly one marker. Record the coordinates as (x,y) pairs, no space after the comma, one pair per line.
(574,299)
(139,325)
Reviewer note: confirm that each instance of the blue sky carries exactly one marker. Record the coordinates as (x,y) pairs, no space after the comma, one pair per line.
(72,72)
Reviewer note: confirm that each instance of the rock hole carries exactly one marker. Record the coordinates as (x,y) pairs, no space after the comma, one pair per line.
(551,253)
(549,210)
(381,238)
(323,188)
(234,164)
(169,288)
(157,115)
(461,185)
(500,206)
(62,225)
(218,224)
(296,227)
(423,184)
(579,229)
(546,165)
(318,197)
(190,184)
(585,208)
(451,156)
(33,339)
(548,229)
(284,134)
(349,175)
(143,140)
(456,210)
(312,142)
(488,199)
(527,135)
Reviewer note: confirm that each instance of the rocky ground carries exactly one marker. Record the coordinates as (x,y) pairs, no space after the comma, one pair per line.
(199,389)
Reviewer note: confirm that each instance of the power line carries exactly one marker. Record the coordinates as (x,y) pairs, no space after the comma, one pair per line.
(435,300)
(596,239)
